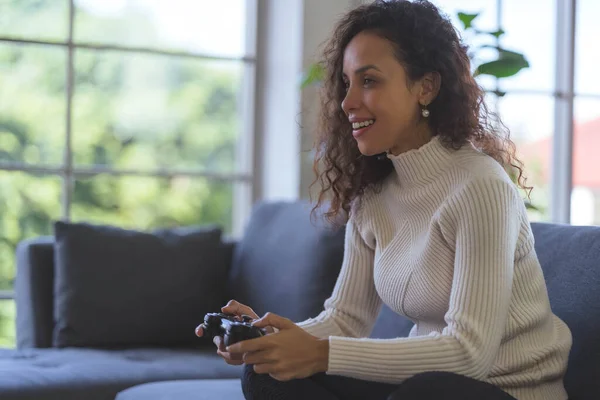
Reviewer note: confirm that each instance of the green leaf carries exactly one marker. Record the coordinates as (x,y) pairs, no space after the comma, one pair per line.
(496,34)
(314,75)
(502,52)
(467,19)
(509,63)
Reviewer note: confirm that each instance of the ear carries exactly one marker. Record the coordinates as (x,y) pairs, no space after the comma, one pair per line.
(430,87)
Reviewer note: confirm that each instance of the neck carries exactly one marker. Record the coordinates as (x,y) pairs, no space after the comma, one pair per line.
(423,164)
(422,135)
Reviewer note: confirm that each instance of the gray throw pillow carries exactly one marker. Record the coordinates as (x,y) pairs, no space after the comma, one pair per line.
(116,287)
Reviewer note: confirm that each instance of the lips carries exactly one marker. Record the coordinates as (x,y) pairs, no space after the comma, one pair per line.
(360,128)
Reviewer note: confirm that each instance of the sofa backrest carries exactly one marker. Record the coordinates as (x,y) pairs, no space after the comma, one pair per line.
(570,258)
(285,262)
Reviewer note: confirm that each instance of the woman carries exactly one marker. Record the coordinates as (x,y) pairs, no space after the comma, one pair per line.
(436,230)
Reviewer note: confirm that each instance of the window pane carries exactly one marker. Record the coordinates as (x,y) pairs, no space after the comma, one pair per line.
(530,121)
(486,9)
(146,111)
(206,26)
(32,104)
(486,20)
(35,19)
(533,37)
(585,197)
(28,205)
(7,324)
(150,202)
(587,50)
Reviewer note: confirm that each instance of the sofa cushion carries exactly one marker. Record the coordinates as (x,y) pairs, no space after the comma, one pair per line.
(75,374)
(286,263)
(116,287)
(570,258)
(206,389)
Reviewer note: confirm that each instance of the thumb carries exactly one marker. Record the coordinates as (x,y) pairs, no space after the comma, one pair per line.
(274,320)
(199,331)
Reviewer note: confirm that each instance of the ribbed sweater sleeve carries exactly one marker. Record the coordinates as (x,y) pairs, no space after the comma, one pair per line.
(481,222)
(352,308)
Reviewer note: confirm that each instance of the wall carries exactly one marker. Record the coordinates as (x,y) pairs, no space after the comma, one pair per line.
(290,34)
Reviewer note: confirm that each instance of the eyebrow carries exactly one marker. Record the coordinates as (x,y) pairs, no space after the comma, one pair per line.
(364,68)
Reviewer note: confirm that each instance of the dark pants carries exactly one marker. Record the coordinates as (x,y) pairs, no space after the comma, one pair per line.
(426,386)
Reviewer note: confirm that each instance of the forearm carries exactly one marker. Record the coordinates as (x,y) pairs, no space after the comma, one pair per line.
(333,322)
(395,360)
(322,355)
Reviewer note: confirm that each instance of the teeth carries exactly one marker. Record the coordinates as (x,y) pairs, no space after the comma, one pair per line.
(358,125)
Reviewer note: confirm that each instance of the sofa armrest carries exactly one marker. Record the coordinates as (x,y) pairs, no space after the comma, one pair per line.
(34,292)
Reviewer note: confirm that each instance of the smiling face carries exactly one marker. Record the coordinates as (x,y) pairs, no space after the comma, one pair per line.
(382,105)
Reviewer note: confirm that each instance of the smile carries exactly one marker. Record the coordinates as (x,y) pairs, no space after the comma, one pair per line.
(359,128)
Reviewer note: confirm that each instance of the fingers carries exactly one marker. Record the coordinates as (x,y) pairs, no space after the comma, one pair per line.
(231,359)
(258,357)
(199,331)
(233,307)
(275,321)
(250,345)
(273,370)
(266,368)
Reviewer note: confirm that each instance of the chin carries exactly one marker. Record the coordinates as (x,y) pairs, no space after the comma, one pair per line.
(369,150)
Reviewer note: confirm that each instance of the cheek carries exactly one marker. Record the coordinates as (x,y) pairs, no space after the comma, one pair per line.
(401,108)
(389,103)
(380,105)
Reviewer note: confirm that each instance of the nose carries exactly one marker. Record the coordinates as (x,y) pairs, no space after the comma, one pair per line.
(352,101)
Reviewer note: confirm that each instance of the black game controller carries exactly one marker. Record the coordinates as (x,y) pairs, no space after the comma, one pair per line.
(231,329)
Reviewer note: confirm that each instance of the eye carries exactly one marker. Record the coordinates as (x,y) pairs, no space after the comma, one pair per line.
(368,81)
(346,85)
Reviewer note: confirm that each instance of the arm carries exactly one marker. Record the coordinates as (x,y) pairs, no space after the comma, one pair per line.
(352,308)
(483,221)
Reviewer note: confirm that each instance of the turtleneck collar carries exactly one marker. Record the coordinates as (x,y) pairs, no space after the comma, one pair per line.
(422,164)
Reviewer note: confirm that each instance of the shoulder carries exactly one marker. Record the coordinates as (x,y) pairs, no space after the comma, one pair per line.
(481,186)
(477,165)
(474,171)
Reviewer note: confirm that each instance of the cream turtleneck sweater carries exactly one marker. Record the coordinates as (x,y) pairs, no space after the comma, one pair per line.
(446,243)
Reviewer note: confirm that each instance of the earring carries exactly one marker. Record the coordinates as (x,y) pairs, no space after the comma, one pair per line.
(425,112)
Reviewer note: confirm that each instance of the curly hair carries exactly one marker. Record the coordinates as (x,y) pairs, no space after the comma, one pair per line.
(425,41)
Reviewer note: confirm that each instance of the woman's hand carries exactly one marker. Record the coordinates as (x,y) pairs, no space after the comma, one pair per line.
(237,309)
(292,353)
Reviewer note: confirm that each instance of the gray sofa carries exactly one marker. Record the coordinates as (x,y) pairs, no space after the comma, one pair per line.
(284,263)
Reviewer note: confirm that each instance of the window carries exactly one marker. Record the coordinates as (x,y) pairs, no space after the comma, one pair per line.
(527,108)
(585,209)
(554,104)
(136,113)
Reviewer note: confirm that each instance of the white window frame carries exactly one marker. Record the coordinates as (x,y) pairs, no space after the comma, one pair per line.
(561,183)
